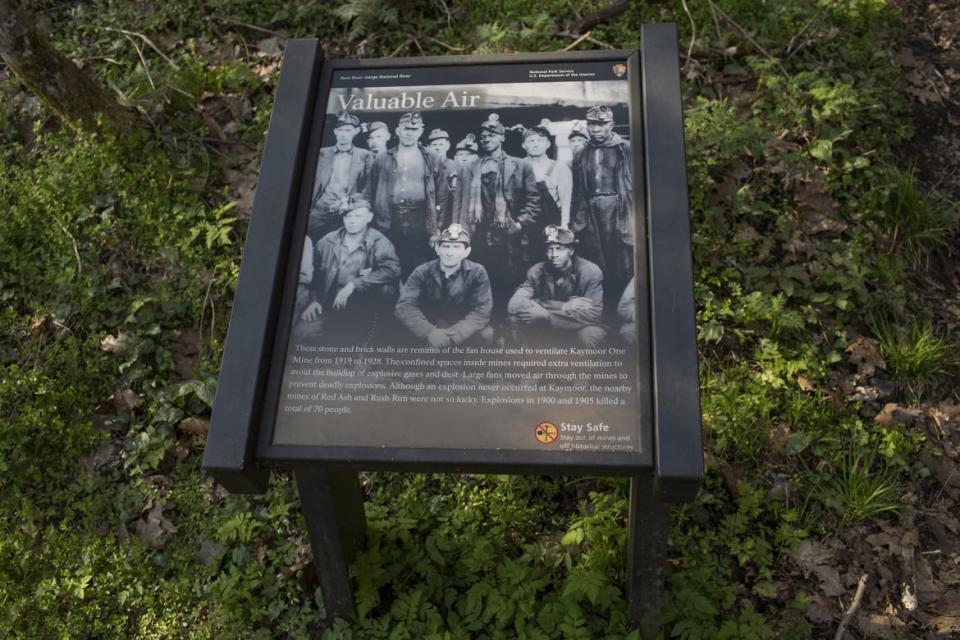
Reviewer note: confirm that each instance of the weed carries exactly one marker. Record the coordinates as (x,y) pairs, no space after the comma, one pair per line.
(911,220)
(915,354)
(858,487)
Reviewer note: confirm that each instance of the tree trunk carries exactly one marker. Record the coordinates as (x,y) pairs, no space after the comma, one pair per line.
(66,90)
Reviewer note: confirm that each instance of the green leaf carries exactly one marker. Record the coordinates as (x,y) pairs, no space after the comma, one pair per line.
(822,150)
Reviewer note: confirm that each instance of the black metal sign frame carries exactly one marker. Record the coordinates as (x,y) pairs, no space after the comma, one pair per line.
(239,449)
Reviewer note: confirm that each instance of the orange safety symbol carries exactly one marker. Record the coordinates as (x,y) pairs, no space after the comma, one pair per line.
(546,432)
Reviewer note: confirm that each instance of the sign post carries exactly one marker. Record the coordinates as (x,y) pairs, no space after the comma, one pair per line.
(468,264)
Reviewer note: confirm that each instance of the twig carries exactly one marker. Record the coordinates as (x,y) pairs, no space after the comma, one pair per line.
(444,44)
(238,23)
(117,90)
(446,9)
(854,606)
(148,41)
(406,43)
(600,43)
(716,25)
(693,29)
(143,61)
(587,37)
(576,42)
(203,307)
(608,12)
(733,23)
(419,48)
(76,251)
(816,17)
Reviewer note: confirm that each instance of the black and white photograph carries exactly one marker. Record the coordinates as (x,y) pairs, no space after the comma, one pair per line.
(469,241)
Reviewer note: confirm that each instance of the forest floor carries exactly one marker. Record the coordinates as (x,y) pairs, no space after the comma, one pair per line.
(823,146)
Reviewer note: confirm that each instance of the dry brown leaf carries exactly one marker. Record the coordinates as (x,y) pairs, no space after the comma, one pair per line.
(118,345)
(194,426)
(929,589)
(814,557)
(777,437)
(153,528)
(883,626)
(799,246)
(210,553)
(110,422)
(865,356)
(816,209)
(126,400)
(779,145)
(40,325)
(181,448)
(813,200)
(243,186)
(822,610)
(946,471)
(907,58)
(945,624)
(217,493)
(824,224)
(104,454)
(805,384)
(894,413)
(186,352)
(270,46)
(884,539)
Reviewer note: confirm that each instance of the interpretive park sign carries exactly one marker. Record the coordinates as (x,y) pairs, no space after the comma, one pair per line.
(472,264)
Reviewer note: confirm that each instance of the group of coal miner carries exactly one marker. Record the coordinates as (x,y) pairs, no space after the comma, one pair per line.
(391,228)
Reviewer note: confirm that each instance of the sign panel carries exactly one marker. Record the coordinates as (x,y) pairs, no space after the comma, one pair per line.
(467,270)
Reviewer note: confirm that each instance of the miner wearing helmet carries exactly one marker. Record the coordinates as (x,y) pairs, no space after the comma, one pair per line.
(602,210)
(555,185)
(342,171)
(561,300)
(447,301)
(409,190)
(351,281)
(499,198)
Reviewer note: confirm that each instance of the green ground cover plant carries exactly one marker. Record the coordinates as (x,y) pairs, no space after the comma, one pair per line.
(823,364)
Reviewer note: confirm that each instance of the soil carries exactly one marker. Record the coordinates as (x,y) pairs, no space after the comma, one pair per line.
(931,63)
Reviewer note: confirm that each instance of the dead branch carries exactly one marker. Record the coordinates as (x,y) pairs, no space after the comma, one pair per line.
(693,28)
(445,45)
(810,23)
(147,40)
(600,16)
(854,606)
(746,34)
(576,42)
(586,37)
(247,25)
(143,61)
(406,43)
(76,251)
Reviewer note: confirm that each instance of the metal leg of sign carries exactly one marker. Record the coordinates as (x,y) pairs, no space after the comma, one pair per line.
(333,508)
(646,556)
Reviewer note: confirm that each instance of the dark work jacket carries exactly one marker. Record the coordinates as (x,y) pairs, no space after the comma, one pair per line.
(580,202)
(361,162)
(437,179)
(465,309)
(585,280)
(520,192)
(381,265)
